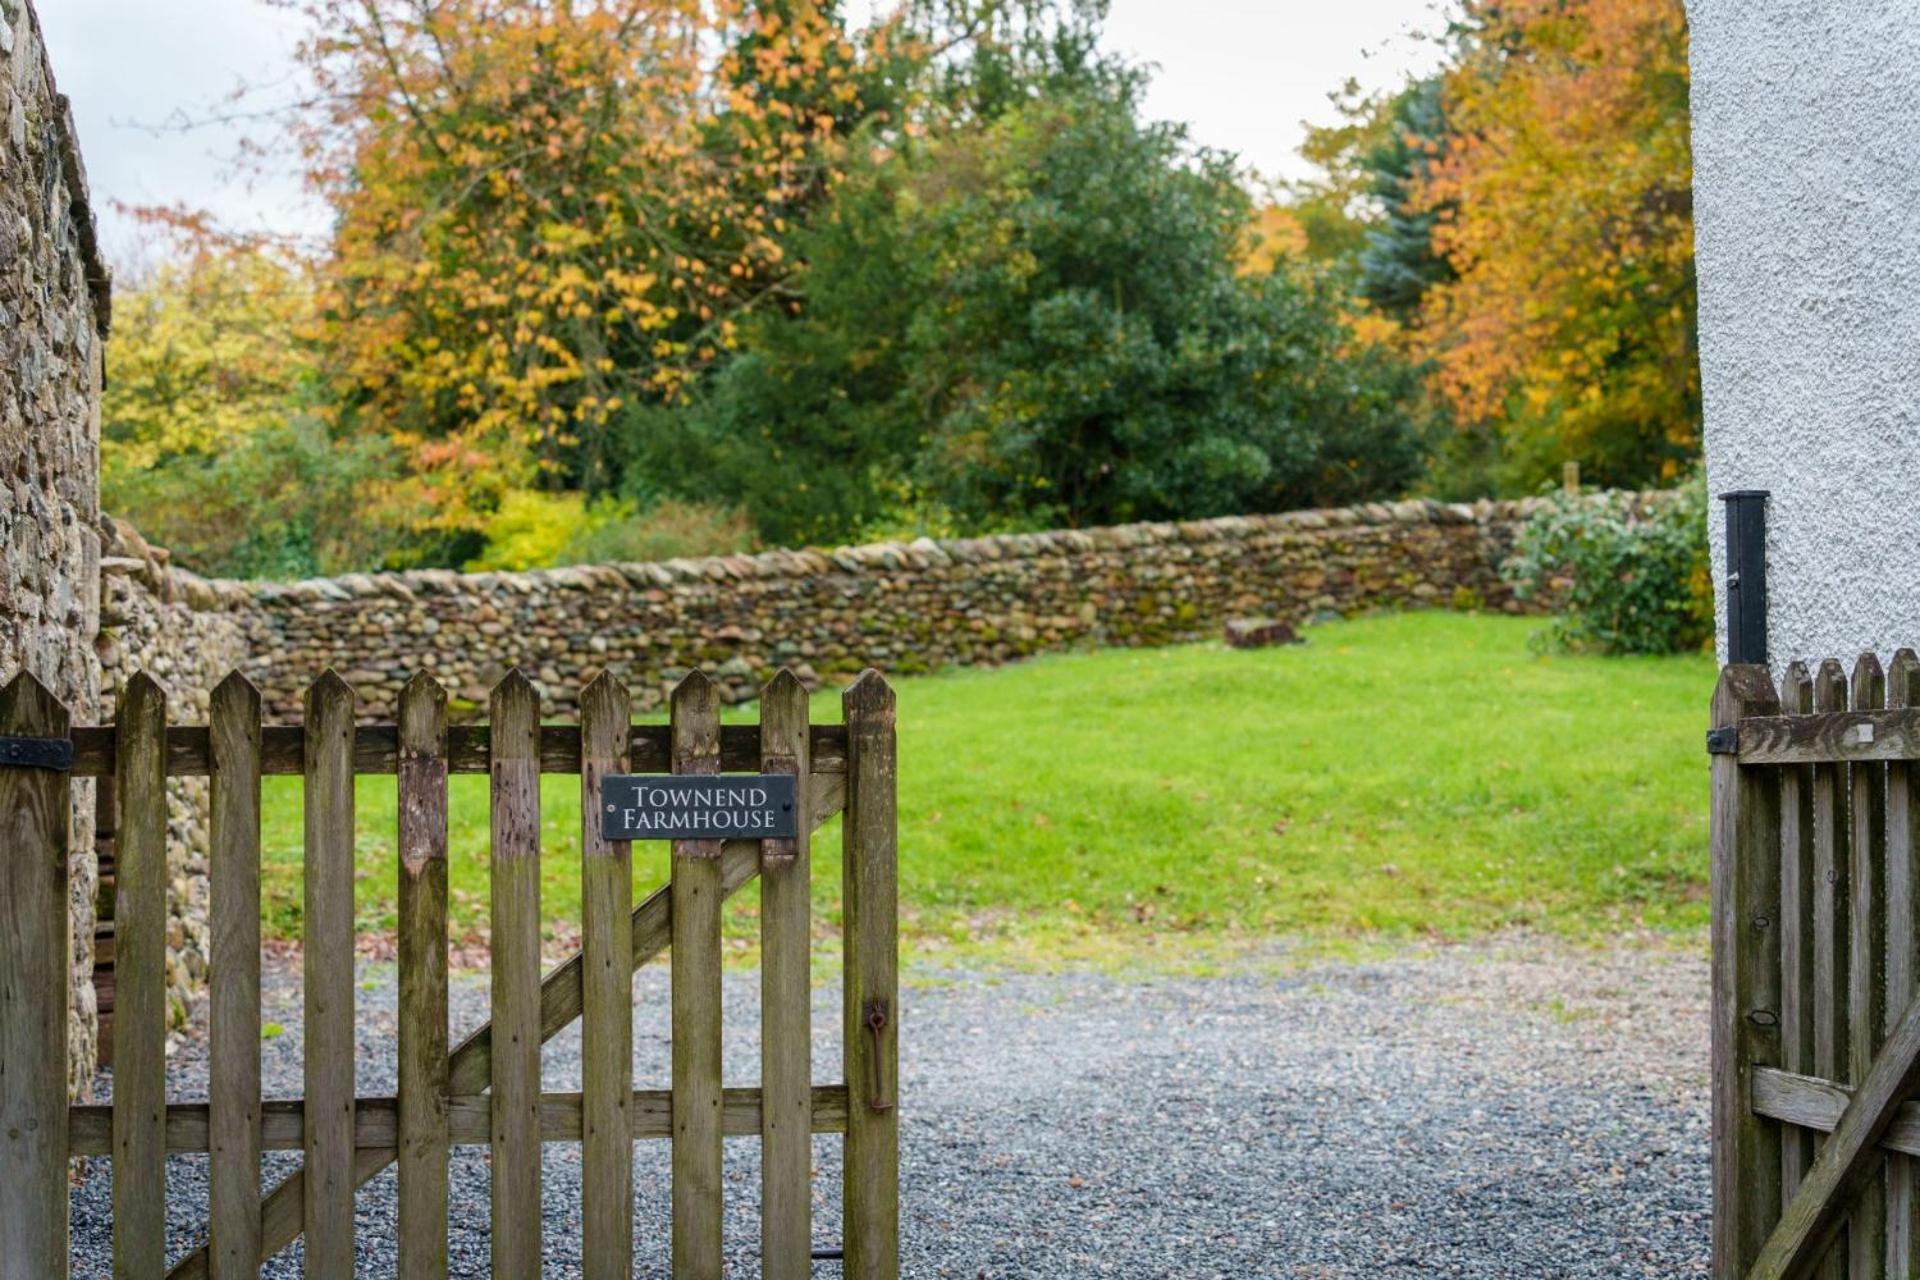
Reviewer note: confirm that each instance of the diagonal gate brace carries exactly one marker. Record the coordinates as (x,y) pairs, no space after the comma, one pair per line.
(1813,1218)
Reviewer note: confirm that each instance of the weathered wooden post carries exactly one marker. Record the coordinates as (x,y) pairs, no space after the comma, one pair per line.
(1746,976)
(35,816)
(872,1015)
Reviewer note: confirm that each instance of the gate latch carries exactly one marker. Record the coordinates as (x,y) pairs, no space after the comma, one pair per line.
(36,753)
(876,1024)
(1723,742)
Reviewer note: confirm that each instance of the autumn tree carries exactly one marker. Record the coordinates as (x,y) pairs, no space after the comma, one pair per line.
(545,211)
(211,439)
(1561,200)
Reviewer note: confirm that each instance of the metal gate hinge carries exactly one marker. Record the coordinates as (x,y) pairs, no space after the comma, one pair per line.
(1723,742)
(36,753)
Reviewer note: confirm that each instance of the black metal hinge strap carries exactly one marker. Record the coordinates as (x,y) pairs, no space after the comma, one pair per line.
(36,753)
(1723,742)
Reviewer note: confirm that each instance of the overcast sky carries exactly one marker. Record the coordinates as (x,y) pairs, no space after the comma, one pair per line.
(1243,74)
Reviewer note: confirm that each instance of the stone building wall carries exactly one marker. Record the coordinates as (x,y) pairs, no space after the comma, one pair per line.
(53,321)
(903,607)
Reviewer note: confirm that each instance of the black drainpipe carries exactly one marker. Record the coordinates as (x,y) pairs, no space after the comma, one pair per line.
(1746,575)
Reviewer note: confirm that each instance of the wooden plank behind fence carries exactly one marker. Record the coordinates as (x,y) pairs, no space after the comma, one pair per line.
(786,1022)
(606,1031)
(233,983)
(697,894)
(140,983)
(1867,950)
(35,814)
(327,979)
(515,715)
(1746,979)
(870,906)
(423,1138)
(1796,925)
(1832,912)
(1903,930)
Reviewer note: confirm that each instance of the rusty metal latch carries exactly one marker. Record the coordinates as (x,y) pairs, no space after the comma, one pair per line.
(36,753)
(875,1019)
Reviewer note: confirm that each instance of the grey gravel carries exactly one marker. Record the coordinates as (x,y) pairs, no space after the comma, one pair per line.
(1515,1108)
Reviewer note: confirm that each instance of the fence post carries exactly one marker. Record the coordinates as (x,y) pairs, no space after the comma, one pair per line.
(1746,980)
(870,889)
(35,818)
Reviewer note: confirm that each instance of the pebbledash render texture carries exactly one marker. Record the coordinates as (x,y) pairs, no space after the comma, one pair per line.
(902,607)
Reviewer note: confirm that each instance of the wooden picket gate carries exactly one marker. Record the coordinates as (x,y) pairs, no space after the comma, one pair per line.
(1816,947)
(488,1089)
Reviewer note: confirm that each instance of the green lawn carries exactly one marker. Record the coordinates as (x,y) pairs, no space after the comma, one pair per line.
(1414,774)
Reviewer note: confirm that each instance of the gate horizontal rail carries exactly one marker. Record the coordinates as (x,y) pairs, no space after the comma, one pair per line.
(376,1120)
(376,749)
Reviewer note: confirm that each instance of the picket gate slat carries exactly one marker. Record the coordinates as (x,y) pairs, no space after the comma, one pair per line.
(1796,924)
(327,1032)
(871,1016)
(34,808)
(697,1151)
(1866,972)
(515,715)
(233,984)
(1902,930)
(423,1068)
(1833,909)
(606,1029)
(786,998)
(140,983)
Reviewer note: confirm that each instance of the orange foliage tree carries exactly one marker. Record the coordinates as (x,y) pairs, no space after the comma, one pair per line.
(547,209)
(1563,194)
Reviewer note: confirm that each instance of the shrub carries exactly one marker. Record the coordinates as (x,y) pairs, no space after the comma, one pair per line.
(539,530)
(1627,572)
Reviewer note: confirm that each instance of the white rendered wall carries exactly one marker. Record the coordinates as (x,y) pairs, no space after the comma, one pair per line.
(1806,135)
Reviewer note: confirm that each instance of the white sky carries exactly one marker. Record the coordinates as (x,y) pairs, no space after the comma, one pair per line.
(1244,74)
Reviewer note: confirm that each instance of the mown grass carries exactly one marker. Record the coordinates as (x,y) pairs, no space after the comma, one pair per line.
(1404,775)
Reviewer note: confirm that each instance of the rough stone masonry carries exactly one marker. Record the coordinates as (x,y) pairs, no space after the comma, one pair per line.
(53,321)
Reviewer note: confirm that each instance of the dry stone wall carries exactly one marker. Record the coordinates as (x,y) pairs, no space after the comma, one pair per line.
(162,621)
(53,320)
(902,607)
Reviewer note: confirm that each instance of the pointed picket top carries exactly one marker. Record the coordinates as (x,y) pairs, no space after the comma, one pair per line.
(1830,686)
(1869,683)
(1744,689)
(422,684)
(330,685)
(516,683)
(423,717)
(870,696)
(29,707)
(236,689)
(1796,689)
(695,686)
(603,685)
(1903,679)
(142,691)
(784,684)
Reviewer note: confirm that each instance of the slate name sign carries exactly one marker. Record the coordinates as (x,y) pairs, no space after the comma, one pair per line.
(686,807)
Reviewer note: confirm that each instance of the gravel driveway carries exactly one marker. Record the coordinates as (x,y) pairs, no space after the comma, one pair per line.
(1514,1108)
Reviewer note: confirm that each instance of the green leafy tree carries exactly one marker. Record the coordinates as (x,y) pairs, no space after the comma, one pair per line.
(1039,320)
